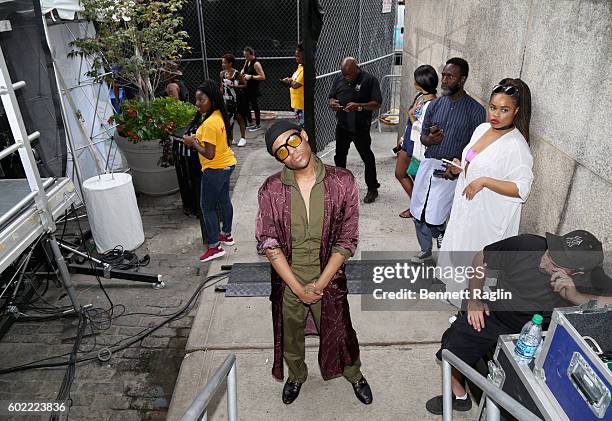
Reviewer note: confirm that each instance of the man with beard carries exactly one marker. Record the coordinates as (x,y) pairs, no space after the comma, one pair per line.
(308,226)
(448,125)
(541,273)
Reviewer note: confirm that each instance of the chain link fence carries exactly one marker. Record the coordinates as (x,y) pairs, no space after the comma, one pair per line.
(270,27)
(359,28)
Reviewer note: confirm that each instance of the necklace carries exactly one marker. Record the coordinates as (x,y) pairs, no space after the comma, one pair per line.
(509,126)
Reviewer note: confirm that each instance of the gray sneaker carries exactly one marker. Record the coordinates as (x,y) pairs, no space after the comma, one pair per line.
(422,257)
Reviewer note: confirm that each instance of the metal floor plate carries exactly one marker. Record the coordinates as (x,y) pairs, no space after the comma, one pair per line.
(253,279)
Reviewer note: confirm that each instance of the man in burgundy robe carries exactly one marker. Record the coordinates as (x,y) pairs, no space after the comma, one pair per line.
(308,226)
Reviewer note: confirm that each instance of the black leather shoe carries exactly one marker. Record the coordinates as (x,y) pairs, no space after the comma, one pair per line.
(370,196)
(291,391)
(363,391)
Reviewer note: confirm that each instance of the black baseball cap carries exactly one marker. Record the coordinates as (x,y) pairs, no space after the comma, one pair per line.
(277,129)
(579,250)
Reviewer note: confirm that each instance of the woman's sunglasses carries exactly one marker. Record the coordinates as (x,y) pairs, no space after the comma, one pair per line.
(282,152)
(508,90)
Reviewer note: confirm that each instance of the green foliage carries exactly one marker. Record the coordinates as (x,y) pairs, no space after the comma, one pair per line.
(140,121)
(134,38)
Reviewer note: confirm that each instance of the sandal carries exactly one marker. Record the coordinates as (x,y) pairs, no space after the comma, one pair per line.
(405,214)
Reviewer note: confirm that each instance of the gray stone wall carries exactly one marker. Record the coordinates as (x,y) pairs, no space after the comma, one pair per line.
(562,50)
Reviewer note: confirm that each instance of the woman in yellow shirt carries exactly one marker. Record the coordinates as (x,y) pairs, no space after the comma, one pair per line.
(212,141)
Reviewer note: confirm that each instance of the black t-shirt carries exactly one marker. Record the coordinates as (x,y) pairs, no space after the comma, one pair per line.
(516,261)
(364,89)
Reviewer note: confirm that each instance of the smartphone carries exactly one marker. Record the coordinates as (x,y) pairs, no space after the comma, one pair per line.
(434,128)
(446,161)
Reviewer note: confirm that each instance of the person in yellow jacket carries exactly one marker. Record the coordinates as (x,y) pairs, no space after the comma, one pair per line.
(212,141)
(296,86)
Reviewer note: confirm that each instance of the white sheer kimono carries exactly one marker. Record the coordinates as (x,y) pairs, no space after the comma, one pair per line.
(489,217)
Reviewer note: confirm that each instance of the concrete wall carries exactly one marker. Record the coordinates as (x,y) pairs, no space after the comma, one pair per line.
(562,50)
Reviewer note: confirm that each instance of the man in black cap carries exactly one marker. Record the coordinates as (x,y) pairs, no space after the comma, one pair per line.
(354,95)
(308,226)
(539,274)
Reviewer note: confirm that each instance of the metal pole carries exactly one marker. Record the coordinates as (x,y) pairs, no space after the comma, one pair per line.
(202,37)
(64,275)
(69,136)
(493,413)
(447,391)
(232,404)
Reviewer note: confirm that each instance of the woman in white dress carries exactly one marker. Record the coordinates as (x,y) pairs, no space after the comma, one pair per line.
(495,176)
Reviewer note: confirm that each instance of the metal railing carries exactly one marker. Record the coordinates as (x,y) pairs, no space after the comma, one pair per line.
(199,407)
(494,395)
(390,89)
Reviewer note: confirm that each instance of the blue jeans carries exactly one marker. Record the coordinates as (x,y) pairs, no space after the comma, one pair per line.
(299,117)
(215,190)
(426,233)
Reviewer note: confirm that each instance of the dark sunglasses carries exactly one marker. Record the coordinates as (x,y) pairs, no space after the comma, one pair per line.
(282,152)
(508,90)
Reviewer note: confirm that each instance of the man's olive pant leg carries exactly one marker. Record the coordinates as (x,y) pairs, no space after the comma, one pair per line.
(294,321)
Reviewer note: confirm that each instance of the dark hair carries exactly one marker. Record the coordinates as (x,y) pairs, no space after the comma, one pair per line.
(523,102)
(427,78)
(300,47)
(210,88)
(229,57)
(249,50)
(463,65)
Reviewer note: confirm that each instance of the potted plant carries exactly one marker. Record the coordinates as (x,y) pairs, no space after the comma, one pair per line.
(133,43)
(143,134)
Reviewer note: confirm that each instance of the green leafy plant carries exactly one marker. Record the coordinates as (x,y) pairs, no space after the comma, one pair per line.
(134,40)
(140,122)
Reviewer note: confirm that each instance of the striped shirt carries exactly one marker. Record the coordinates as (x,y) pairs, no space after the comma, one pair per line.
(458,119)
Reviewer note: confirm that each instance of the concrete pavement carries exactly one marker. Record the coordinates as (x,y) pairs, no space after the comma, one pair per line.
(397,347)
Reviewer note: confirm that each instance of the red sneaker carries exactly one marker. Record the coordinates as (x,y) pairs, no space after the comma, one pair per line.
(226,239)
(212,253)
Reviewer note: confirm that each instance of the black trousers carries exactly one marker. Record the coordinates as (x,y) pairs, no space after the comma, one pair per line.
(189,175)
(470,345)
(254,105)
(363,142)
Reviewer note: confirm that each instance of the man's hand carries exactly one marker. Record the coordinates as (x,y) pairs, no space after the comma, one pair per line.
(433,138)
(189,140)
(334,104)
(351,106)
(563,284)
(287,80)
(476,310)
(454,170)
(474,187)
(307,294)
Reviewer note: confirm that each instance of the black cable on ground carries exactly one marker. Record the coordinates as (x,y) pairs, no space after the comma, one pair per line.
(136,338)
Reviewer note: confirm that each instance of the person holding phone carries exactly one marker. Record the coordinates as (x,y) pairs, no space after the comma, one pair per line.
(354,95)
(296,86)
(212,141)
(449,122)
(494,179)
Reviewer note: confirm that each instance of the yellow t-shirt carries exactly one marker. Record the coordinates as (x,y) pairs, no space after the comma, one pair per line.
(297,95)
(212,131)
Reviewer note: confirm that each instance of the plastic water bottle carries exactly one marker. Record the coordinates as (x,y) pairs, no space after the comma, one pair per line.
(529,340)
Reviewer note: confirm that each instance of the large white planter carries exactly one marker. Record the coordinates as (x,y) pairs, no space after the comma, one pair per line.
(148,177)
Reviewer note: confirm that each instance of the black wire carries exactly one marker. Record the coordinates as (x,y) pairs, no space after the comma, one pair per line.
(131,340)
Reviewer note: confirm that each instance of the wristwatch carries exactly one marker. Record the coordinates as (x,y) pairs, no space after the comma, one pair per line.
(360,108)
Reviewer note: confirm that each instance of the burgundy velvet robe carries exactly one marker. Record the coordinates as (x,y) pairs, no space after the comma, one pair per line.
(338,345)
